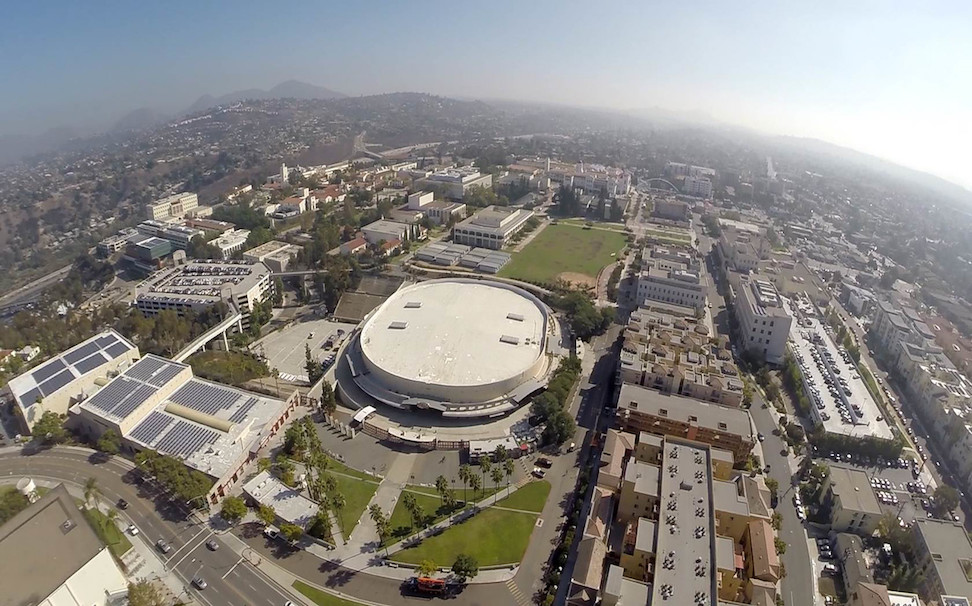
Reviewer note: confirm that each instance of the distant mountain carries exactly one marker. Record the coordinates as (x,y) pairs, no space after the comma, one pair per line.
(139,119)
(290,89)
(940,186)
(17,147)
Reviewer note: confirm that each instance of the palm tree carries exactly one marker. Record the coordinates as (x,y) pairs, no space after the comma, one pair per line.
(337,504)
(496,475)
(485,464)
(508,468)
(112,515)
(475,483)
(441,485)
(465,472)
(90,489)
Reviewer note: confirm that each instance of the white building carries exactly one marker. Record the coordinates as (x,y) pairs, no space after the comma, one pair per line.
(699,187)
(670,282)
(177,205)
(457,181)
(274,254)
(51,556)
(439,212)
(491,227)
(386,231)
(201,283)
(288,503)
(179,235)
(764,323)
(230,242)
(68,377)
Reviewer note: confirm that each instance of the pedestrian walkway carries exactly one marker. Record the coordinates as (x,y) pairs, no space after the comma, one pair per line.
(364,537)
(521,599)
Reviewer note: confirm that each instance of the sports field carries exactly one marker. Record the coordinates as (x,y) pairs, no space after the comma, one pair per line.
(565,251)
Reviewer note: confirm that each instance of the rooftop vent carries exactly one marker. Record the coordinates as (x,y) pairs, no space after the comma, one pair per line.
(398,325)
(514,317)
(67,525)
(413,305)
(510,340)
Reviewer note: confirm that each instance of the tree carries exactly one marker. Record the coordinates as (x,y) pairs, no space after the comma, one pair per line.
(773,486)
(508,468)
(475,483)
(780,545)
(427,567)
(777,521)
(465,566)
(465,472)
(145,593)
(441,485)
(485,465)
(291,532)
(496,475)
(338,503)
(560,428)
(91,490)
(266,514)
(946,498)
(49,429)
(233,509)
(381,523)
(328,401)
(500,454)
(109,442)
(313,368)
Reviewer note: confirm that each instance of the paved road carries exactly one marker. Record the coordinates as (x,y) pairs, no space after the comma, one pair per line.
(231,582)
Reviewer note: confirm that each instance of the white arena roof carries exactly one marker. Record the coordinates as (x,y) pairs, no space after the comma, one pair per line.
(455,334)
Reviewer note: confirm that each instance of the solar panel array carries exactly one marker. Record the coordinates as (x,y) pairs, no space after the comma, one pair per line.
(240,414)
(120,397)
(151,427)
(154,371)
(185,438)
(48,370)
(73,357)
(204,397)
(57,381)
(59,372)
(116,350)
(91,362)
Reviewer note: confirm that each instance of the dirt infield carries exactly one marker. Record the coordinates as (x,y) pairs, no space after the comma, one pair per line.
(577,279)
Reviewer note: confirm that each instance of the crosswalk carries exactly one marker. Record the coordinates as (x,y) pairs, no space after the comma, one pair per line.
(521,600)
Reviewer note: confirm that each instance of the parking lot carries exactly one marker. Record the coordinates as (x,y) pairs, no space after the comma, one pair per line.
(839,397)
(284,349)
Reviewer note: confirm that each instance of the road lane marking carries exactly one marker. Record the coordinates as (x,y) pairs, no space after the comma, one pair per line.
(189,552)
(233,567)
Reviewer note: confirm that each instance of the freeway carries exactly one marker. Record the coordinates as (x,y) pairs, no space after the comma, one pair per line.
(232,581)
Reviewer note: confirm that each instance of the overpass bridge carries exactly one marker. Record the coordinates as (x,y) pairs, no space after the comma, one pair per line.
(200,342)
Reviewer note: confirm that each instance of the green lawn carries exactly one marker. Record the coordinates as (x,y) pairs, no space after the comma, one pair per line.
(492,536)
(564,248)
(357,493)
(322,598)
(669,235)
(595,224)
(108,532)
(530,497)
(339,467)
(426,496)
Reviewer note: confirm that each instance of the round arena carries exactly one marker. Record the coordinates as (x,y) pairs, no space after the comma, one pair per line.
(463,347)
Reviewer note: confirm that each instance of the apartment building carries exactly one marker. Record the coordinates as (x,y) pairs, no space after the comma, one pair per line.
(675,355)
(764,324)
(853,506)
(742,246)
(642,409)
(492,227)
(699,187)
(671,282)
(944,557)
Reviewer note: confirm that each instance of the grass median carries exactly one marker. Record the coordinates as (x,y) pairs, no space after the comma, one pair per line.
(322,598)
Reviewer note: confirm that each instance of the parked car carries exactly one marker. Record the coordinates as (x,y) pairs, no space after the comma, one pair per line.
(538,473)
(163,546)
(132,530)
(271,532)
(829,569)
(544,462)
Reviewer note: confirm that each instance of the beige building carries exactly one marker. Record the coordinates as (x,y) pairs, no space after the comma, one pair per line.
(764,323)
(274,254)
(69,377)
(175,206)
(492,227)
(853,506)
(50,556)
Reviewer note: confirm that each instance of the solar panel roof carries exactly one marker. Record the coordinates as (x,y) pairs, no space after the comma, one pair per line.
(48,370)
(116,350)
(72,357)
(90,363)
(56,382)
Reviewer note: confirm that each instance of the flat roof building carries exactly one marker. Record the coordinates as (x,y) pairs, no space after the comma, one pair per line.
(670,282)
(157,404)
(641,409)
(274,254)
(230,242)
(455,182)
(764,323)
(68,377)
(201,283)
(176,205)
(944,559)
(854,508)
(492,227)
(50,556)
(290,504)
(386,231)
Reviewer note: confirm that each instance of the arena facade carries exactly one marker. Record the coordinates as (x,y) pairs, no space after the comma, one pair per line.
(463,347)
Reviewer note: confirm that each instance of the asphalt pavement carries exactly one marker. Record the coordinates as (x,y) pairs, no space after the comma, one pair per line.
(231,582)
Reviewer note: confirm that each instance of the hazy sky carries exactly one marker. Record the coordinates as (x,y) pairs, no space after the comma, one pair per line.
(891,78)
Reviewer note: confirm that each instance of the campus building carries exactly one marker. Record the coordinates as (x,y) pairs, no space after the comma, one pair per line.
(274,254)
(157,404)
(51,556)
(69,377)
(492,227)
(944,554)
(440,212)
(672,277)
(178,235)
(201,283)
(230,242)
(387,231)
(764,324)
(641,409)
(455,182)
(177,205)
(699,187)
